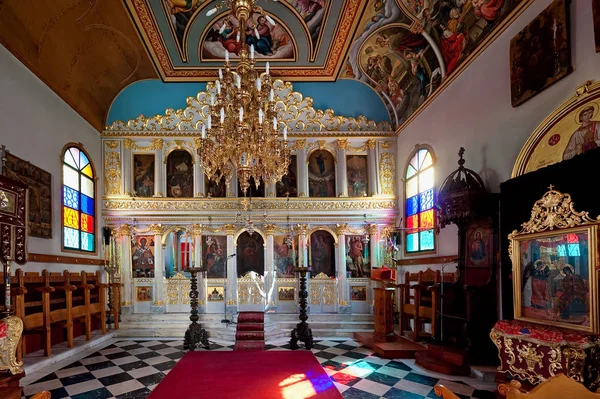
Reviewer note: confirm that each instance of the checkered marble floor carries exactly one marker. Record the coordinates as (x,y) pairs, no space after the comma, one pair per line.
(132,368)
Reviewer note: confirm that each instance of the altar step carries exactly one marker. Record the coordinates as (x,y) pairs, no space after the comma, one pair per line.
(173,325)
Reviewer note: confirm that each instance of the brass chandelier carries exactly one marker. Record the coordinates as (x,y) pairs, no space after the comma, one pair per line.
(242,134)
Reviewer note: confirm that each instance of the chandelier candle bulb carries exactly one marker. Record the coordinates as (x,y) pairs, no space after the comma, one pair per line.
(271,95)
(267,68)
(220,74)
(209,122)
(237,37)
(227,56)
(222,114)
(238,81)
(271,21)
(211,12)
(261,115)
(258,86)
(203,131)
(241,114)
(275,124)
(285,132)
(256,33)
(218,87)
(251,51)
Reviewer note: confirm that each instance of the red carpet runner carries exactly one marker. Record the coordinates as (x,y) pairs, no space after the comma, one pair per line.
(247,375)
(250,332)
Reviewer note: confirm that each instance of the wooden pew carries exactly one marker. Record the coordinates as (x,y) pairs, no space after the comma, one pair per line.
(558,387)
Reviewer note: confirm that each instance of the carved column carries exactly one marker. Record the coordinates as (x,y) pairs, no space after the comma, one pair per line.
(158,306)
(231,284)
(126,275)
(196,230)
(343,296)
(302,168)
(342,175)
(127,167)
(372,161)
(160,178)
(269,266)
(198,178)
(374,248)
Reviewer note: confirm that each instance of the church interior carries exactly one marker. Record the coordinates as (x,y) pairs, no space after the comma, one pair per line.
(297,199)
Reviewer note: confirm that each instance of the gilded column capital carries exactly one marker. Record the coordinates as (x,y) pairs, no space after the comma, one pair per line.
(125,230)
(157,229)
(157,144)
(387,231)
(322,144)
(370,144)
(302,229)
(197,142)
(342,144)
(270,229)
(196,229)
(229,229)
(300,144)
(373,229)
(112,144)
(340,229)
(128,144)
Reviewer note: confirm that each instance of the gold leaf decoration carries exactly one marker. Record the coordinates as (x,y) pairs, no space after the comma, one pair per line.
(387,173)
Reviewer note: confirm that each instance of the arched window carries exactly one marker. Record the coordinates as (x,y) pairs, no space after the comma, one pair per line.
(78,200)
(419,194)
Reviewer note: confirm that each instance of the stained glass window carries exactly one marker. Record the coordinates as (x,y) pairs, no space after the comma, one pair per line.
(419,193)
(79,225)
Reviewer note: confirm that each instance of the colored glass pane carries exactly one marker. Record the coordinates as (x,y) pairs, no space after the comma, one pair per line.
(426,200)
(71,177)
(573,250)
(414,162)
(87,223)
(412,187)
(426,180)
(412,242)
(426,219)
(412,206)
(87,205)
(422,154)
(75,155)
(410,172)
(87,187)
(70,161)
(428,161)
(87,242)
(427,240)
(71,238)
(412,222)
(572,238)
(83,160)
(561,249)
(70,218)
(88,171)
(70,198)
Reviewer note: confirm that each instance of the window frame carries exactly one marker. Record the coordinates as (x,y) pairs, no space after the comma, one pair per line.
(433,251)
(94,179)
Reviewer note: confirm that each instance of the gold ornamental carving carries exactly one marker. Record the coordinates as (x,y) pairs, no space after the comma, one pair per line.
(373,229)
(8,345)
(178,290)
(530,355)
(157,144)
(293,109)
(112,172)
(299,144)
(270,229)
(321,276)
(387,172)
(302,229)
(196,229)
(329,295)
(229,229)
(112,144)
(315,295)
(554,211)
(125,230)
(340,229)
(157,229)
(127,144)
(342,144)
(371,144)
(243,294)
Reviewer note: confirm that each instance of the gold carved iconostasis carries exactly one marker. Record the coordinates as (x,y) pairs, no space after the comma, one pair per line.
(331,211)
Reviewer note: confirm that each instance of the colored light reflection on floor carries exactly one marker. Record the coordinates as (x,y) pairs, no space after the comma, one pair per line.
(297,386)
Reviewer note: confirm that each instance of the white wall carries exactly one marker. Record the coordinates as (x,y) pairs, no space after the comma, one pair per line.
(475,110)
(35,124)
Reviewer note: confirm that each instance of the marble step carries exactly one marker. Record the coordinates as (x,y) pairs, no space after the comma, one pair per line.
(324,325)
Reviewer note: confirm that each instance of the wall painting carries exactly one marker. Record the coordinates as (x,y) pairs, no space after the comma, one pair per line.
(288,186)
(143,175)
(180,13)
(250,254)
(273,41)
(215,189)
(286,293)
(479,251)
(313,13)
(322,253)
(358,293)
(540,54)
(286,254)
(180,174)
(358,175)
(358,261)
(216,294)
(253,191)
(321,174)
(143,256)
(214,256)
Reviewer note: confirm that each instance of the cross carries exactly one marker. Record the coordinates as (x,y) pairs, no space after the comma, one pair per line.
(551,187)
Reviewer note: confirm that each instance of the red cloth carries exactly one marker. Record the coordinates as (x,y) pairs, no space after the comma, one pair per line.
(452,49)
(521,330)
(488,9)
(235,375)
(3,329)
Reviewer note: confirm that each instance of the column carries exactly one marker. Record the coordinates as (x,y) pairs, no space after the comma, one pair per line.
(127,174)
(343,292)
(270,267)
(232,190)
(270,190)
(373,247)
(199,180)
(342,175)
(231,284)
(302,168)
(160,179)
(126,275)
(158,306)
(372,161)
(196,230)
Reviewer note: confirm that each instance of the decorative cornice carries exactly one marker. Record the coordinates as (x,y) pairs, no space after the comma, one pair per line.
(229,229)
(373,229)
(157,229)
(340,229)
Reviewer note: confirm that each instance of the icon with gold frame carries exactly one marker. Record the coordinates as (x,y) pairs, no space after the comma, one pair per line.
(554,258)
(286,293)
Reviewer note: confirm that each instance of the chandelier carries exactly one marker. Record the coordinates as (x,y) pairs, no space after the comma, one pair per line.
(242,134)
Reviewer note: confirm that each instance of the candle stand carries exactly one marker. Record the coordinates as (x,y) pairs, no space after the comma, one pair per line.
(302,332)
(195,335)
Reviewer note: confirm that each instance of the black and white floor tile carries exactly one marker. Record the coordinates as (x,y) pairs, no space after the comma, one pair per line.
(132,368)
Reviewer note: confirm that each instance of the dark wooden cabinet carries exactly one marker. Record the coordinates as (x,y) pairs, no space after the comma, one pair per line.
(384,314)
